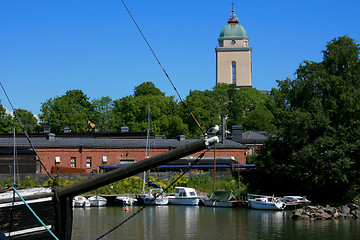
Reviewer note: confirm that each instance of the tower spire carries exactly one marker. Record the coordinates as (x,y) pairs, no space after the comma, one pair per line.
(233,18)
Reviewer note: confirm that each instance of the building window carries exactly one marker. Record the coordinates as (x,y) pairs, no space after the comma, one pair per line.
(57,159)
(127,161)
(233,72)
(73,162)
(104,159)
(88,162)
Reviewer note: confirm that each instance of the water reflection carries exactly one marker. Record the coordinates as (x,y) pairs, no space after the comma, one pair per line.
(199,222)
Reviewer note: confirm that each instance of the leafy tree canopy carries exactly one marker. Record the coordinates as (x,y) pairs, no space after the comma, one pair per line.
(28,121)
(6,121)
(147,88)
(72,109)
(317,146)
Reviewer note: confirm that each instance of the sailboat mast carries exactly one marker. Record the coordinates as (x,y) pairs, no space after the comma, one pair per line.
(14,167)
(148,135)
(147,149)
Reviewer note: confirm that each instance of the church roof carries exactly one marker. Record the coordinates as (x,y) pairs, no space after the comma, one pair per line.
(233,30)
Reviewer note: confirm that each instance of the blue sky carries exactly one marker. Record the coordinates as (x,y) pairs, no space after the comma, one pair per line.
(50,46)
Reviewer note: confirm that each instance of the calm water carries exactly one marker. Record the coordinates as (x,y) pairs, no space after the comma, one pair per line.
(200,222)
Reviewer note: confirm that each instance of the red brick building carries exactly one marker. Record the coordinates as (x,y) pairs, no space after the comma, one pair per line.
(88,152)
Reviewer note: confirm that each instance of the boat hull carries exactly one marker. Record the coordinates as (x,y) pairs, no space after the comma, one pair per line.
(214,203)
(266,205)
(97,201)
(80,201)
(126,201)
(193,201)
(151,201)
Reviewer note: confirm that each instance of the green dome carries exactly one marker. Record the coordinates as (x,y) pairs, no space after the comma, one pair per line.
(233,30)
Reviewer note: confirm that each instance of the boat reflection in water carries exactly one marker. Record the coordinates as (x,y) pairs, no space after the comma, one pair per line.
(200,222)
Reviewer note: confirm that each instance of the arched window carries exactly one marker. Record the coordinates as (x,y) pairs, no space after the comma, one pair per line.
(233,71)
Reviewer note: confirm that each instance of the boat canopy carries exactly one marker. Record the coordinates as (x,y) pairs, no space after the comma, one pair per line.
(222,196)
(151,184)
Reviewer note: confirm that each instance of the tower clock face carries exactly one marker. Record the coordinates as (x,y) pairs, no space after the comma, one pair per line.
(233,42)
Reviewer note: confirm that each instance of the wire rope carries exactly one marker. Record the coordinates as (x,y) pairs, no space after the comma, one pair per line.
(167,75)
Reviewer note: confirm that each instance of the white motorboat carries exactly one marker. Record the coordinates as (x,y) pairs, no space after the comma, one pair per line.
(126,200)
(295,201)
(97,201)
(265,202)
(80,201)
(184,196)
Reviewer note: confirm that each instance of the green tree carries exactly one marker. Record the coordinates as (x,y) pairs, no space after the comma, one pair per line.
(316,148)
(105,117)
(132,111)
(6,121)
(147,88)
(72,109)
(243,101)
(233,103)
(28,120)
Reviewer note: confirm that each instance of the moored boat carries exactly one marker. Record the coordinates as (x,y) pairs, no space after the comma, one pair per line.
(97,201)
(155,196)
(295,201)
(81,201)
(184,196)
(126,200)
(220,199)
(263,202)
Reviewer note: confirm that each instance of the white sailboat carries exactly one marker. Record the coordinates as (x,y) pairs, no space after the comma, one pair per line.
(156,195)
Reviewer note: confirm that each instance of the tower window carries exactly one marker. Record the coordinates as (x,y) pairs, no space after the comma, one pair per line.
(233,71)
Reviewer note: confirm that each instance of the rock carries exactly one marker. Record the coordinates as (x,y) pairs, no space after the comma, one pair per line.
(345,210)
(352,207)
(330,210)
(355,213)
(325,213)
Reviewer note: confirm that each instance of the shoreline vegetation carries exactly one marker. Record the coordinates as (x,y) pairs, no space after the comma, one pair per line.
(204,186)
(134,185)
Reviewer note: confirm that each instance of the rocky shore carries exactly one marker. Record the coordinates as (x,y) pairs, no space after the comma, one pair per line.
(325,213)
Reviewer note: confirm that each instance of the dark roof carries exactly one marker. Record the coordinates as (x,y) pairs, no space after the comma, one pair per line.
(253,137)
(58,142)
(18,152)
(106,135)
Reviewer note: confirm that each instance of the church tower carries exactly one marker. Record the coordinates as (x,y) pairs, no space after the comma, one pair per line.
(233,55)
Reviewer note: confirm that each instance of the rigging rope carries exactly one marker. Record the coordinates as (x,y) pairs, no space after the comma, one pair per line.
(143,207)
(23,128)
(168,77)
